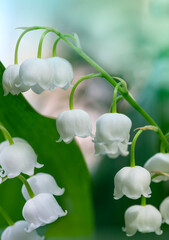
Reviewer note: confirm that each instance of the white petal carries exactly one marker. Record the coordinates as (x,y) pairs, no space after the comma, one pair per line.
(164,209)
(33,71)
(40,210)
(72,123)
(11,80)
(61,73)
(17,232)
(42,183)
(132,182)
(17,158)
(158,162)
(142,218)
(112,127)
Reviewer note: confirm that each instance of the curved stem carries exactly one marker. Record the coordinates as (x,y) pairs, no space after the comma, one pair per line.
(118,99)
(6,134)
(112,81)
(54,46)
(40,44)
(76,84)
(28,188)
(114,109)
(143,201)
(6,217)
(132,156)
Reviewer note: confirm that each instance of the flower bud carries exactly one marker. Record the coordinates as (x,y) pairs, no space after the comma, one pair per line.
(17,158)
(42,183)
(132,182)
(160,163)
(12,82)
(112,135)
(144,219)
(164,209)
(72,123)
(17,232)
(40,210)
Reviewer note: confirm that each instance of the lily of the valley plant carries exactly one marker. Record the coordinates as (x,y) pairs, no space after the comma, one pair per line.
(112,138)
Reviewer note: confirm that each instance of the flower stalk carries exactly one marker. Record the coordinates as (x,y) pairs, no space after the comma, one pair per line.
(143,201)
(77,83)
(132,156)
(28,188)
(6,134)
(6,217)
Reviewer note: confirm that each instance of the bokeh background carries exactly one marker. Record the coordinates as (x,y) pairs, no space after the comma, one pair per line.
(129,39)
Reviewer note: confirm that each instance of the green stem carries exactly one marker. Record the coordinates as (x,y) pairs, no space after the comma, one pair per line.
(40,44)
(54,46)
(162,148)
(143,201)
(118,99)
(114,108)
(77,83)
(28,188)
(6,134)
(132,156)
(112,81)
(6,217)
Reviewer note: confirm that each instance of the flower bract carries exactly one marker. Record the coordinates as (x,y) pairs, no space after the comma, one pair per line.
(160,163)
(112,135)
(144,219)
(40,210)
(72,123)
(132,182)
(17,232)
(18,158)
(42,183)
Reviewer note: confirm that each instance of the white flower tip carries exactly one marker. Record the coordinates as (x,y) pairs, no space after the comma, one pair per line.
(0,180)
(59,140)
(159,231)
(64,213)
(38,165)
(61,192)
(5,93)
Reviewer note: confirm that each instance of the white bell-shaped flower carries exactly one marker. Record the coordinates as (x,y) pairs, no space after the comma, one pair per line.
(112,135)
(72,123)
(132,182)
(17,232)
(42,183)
(144,219)
(160,163)
(164,209)
(17,158)
(46,74)
(40,210)
(61,74)
(11,81)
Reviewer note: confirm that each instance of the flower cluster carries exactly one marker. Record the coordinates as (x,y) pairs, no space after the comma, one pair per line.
(39,75)
(41,207)
(111,138)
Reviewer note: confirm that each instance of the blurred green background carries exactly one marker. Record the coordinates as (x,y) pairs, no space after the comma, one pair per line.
(129,39)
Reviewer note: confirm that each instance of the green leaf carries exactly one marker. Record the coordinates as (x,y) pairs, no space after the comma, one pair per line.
(64,161)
